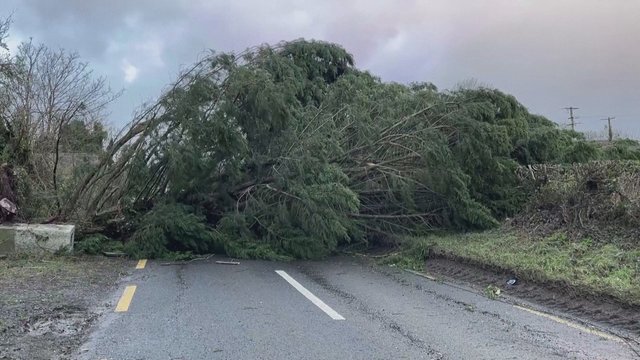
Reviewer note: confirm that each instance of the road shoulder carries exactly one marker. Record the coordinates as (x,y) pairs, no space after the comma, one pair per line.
(48,305)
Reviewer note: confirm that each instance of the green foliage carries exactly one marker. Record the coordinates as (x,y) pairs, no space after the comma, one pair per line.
(544,144)
(254,250)
(96,244)
(625,149)
(76,136)
(290,150)
(233,238)
(413,254)
(178,256)
(12,151)
(492,292)
(91,245)
(170,227)
(580,152)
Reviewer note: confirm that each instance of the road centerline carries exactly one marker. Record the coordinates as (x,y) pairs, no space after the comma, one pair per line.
(306,293)
(125,299)
(141,264)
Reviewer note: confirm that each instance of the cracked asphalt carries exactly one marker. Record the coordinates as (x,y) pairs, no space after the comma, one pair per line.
(204,310)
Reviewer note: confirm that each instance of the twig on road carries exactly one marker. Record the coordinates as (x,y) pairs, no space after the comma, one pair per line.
(228,262)
(187,261)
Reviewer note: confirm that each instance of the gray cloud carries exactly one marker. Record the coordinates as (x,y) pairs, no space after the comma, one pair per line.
(550,54)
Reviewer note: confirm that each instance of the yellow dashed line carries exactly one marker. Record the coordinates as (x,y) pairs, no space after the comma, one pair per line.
(125,299)
(141,264)
(572,324)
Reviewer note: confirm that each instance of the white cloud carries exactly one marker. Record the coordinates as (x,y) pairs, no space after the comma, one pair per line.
(152,50)
(548,53)
(130,71)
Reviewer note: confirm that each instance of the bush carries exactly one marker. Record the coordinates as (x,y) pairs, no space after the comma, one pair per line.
(625,149)
(599,199)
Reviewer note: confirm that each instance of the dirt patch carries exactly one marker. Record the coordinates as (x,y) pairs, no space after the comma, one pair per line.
(600,309)
(47,305)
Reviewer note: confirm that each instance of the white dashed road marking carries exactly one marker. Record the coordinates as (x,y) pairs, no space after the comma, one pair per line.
(314,299)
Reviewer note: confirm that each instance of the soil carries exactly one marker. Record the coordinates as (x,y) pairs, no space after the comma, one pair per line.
(599,309)
(47,305)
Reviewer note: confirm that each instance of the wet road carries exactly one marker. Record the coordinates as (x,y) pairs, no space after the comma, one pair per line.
(341,308)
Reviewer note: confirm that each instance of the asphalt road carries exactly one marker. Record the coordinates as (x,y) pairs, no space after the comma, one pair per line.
(337,309)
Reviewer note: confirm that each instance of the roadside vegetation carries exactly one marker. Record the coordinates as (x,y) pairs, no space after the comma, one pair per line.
(578,266)
(578,231)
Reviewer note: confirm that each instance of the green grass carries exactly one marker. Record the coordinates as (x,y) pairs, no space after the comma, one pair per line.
(413,255)
(604,269)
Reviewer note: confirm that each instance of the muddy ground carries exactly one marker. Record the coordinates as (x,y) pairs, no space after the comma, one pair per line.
(47,305)
(598,309)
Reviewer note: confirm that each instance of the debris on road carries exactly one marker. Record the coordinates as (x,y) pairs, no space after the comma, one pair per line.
(188,261)
(228,262)
(492,292)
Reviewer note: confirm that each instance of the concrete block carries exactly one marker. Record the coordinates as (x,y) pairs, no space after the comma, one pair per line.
(35,238)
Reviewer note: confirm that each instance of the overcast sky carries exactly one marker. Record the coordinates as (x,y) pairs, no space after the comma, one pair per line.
(548,53)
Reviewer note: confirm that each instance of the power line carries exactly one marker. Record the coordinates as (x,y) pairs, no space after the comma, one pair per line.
(592,116)
(572,118)
(628,116)
(605,116)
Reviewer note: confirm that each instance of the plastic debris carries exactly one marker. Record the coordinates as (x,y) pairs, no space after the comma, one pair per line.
(8,206)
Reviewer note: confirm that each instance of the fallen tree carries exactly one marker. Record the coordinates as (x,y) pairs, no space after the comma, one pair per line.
(290,149)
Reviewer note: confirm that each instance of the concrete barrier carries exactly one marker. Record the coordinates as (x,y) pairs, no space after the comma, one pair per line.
(36,238)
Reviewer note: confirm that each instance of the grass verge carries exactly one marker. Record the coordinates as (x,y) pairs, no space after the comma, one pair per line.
(585,266)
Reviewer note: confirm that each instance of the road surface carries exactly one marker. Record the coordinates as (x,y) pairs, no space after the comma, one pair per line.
(342,308)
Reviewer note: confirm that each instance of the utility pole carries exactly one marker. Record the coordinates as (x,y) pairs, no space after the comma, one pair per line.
(610,129)
(572,118)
